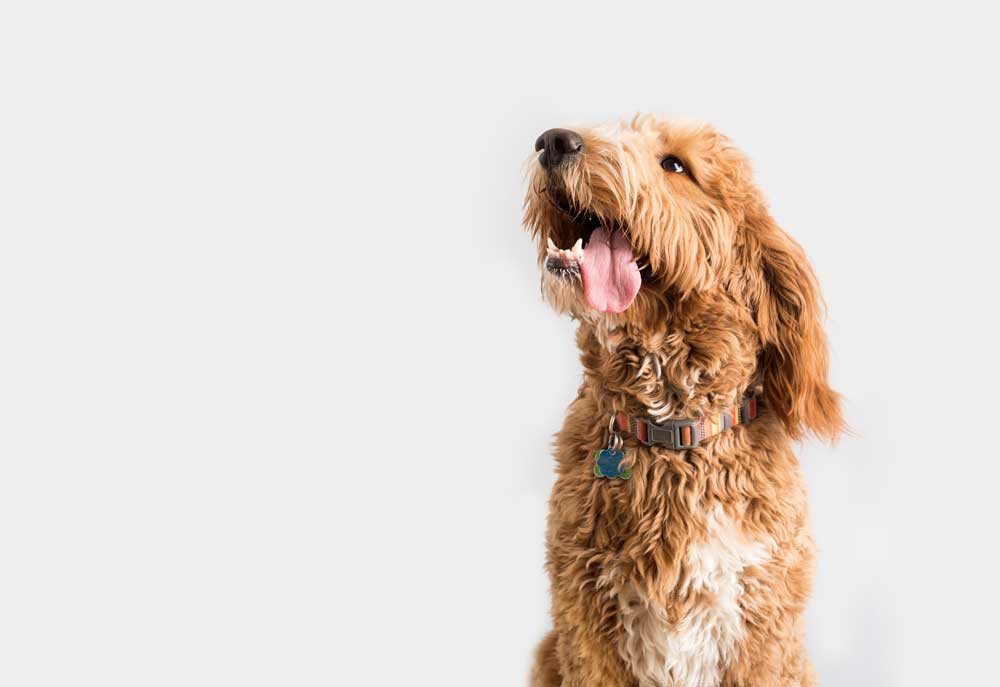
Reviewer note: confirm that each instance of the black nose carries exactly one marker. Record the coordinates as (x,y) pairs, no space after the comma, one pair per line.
(558,145)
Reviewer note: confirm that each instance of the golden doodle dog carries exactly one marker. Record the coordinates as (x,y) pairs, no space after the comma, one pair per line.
(678,541)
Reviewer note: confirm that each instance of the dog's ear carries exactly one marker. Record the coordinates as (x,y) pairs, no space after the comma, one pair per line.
(783,292)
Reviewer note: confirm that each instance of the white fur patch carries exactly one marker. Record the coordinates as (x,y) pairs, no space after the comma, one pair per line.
(693,651)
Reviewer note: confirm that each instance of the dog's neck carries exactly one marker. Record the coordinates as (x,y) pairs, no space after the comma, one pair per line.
(686,367)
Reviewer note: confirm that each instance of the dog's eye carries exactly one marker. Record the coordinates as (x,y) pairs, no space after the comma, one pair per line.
(672,163)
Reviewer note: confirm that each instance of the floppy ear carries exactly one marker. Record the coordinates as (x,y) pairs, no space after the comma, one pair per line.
(788,309)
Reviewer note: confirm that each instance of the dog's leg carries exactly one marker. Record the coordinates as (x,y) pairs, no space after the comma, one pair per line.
(781,662)
(545,671)
(772,653)
(578,659)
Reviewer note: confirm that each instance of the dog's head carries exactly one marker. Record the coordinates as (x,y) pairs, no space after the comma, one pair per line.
(635,218)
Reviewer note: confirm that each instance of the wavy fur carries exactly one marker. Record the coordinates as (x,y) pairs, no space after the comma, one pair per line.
(695,572)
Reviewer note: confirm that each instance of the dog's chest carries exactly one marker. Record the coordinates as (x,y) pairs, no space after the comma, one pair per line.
(693,650)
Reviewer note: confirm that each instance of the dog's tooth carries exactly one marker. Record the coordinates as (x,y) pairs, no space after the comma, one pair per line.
(578,247)
(551,244)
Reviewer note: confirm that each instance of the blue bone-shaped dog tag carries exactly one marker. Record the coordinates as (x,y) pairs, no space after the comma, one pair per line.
(608,464)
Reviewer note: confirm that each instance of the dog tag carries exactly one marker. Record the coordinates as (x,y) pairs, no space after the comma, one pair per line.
(608,463)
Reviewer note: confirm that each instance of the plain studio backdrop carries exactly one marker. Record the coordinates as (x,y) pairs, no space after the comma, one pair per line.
(277,387)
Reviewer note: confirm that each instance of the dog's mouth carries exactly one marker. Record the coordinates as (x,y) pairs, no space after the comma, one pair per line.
(600,256)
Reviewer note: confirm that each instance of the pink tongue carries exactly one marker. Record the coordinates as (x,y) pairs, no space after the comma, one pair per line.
(610,276)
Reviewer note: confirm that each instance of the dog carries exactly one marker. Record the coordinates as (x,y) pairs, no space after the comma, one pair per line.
(678,541)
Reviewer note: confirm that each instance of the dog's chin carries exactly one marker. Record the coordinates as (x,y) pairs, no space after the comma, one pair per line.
(589,261)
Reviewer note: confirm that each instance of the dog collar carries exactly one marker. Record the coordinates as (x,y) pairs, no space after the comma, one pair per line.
(685,434)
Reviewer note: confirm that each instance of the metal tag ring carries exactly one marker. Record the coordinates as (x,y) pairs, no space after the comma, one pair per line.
(615,442)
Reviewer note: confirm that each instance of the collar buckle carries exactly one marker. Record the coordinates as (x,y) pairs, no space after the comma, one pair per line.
(670,434)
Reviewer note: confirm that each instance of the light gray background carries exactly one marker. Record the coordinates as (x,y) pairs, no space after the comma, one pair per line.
(276,384)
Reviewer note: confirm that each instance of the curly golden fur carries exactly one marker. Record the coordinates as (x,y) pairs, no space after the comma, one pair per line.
(695,572)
